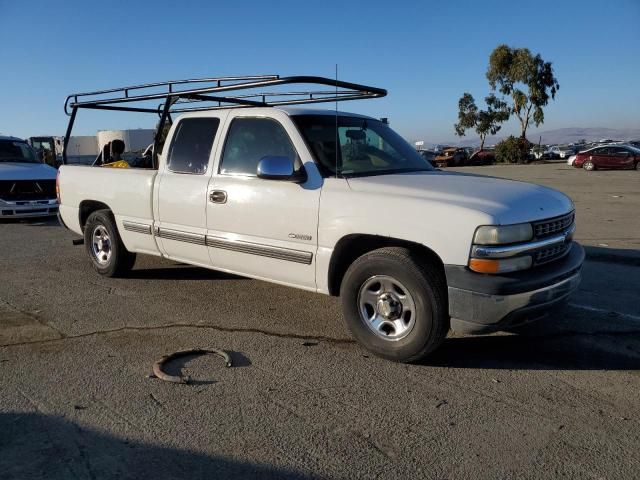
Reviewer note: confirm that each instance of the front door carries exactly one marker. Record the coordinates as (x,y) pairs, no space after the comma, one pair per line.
(181,196)
(600,157)
(257,227)
(620,157)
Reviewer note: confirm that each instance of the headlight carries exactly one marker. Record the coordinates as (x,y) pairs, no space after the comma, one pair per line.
(491,237)
(497,235)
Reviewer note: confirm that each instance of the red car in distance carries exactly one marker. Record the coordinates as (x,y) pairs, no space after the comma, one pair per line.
(609,157)
(482,157)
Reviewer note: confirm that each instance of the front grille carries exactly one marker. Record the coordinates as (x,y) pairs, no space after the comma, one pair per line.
(552,226)
(551,253)
(27,190)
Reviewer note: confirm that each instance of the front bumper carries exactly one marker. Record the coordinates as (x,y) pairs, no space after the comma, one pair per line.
(480,303)
(28,209)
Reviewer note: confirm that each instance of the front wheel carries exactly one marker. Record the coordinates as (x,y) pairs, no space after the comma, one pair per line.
(394,304)
(589,166)
(104,246)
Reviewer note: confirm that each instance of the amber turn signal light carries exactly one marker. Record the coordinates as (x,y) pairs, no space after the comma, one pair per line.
(482,265)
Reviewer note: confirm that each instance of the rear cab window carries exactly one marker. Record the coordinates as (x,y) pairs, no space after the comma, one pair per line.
(191,145)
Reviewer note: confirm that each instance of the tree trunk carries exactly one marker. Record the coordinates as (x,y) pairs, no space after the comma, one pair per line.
(523,128)
(482,137)
(525,122)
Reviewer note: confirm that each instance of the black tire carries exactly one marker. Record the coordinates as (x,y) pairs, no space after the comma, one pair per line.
(589,166)
(427,289)
(118,260)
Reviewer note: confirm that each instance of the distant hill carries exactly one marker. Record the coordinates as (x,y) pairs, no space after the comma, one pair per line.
(563,135)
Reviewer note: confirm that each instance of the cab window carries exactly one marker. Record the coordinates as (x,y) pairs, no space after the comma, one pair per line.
(251,139)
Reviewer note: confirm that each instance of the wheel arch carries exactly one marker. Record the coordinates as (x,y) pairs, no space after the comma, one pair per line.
(87,207)
(352,246)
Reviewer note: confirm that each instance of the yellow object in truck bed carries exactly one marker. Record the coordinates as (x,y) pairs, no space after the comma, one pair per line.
(118,164)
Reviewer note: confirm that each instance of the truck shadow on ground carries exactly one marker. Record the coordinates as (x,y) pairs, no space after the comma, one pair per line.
(180,272)
(32,222)
(629,257)
(34,445)
(560,351)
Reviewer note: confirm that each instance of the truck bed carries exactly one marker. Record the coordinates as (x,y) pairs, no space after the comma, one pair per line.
(127,192)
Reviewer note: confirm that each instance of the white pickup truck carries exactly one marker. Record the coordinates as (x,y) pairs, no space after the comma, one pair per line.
(263,192)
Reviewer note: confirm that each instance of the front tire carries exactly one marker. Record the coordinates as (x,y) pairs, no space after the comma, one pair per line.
(395,305)
(589,166)
(104,246)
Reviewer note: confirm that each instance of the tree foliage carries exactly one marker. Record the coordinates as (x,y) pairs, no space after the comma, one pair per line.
(526,78)
(513,150)
(483,121)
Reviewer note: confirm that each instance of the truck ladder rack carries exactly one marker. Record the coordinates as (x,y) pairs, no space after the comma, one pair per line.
(214,93)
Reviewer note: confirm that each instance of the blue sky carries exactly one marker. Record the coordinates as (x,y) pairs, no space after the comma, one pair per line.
(425,53)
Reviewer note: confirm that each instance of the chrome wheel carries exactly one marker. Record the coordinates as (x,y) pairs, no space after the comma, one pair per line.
(386,307)
(588,166)
(101,244)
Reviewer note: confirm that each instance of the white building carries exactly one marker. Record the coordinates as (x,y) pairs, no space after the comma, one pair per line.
(134,140)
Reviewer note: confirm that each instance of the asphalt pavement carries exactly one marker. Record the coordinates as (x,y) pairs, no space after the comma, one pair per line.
(303,400)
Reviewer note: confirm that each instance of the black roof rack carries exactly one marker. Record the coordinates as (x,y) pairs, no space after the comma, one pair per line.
(215,93)
(224,90)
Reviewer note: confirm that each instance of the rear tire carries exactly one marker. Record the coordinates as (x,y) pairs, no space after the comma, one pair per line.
(104,246)
(637,167)
(589,166)
(395,304)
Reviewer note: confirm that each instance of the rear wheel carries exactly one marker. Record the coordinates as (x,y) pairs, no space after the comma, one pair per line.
(589,166)
(104,246)
(394,304)
(637,166)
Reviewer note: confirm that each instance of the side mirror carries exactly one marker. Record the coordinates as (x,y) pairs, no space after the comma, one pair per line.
(279,168)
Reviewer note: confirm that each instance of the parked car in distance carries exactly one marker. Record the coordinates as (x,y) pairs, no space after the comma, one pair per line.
(555,152)
(482,157)
(565,152)
(451,157)
(609,157)
(428,155)
(27,185)
(49,149)
(540,152)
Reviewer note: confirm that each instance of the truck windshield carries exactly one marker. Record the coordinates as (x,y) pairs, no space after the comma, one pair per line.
(364,146)
(21,152)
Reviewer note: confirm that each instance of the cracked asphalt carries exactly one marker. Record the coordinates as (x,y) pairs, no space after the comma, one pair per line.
(303,400)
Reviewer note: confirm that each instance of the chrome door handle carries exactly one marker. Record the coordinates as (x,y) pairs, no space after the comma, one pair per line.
(218,196)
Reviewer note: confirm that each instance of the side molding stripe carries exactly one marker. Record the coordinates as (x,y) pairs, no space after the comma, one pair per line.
(180,236)
(296,256)
(289,255)
(137,227)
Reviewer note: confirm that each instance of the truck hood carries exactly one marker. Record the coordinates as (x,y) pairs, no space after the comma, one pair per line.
(26,171)
(507,201)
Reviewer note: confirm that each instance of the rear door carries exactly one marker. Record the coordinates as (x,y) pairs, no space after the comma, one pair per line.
(181,194)
(257,227)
